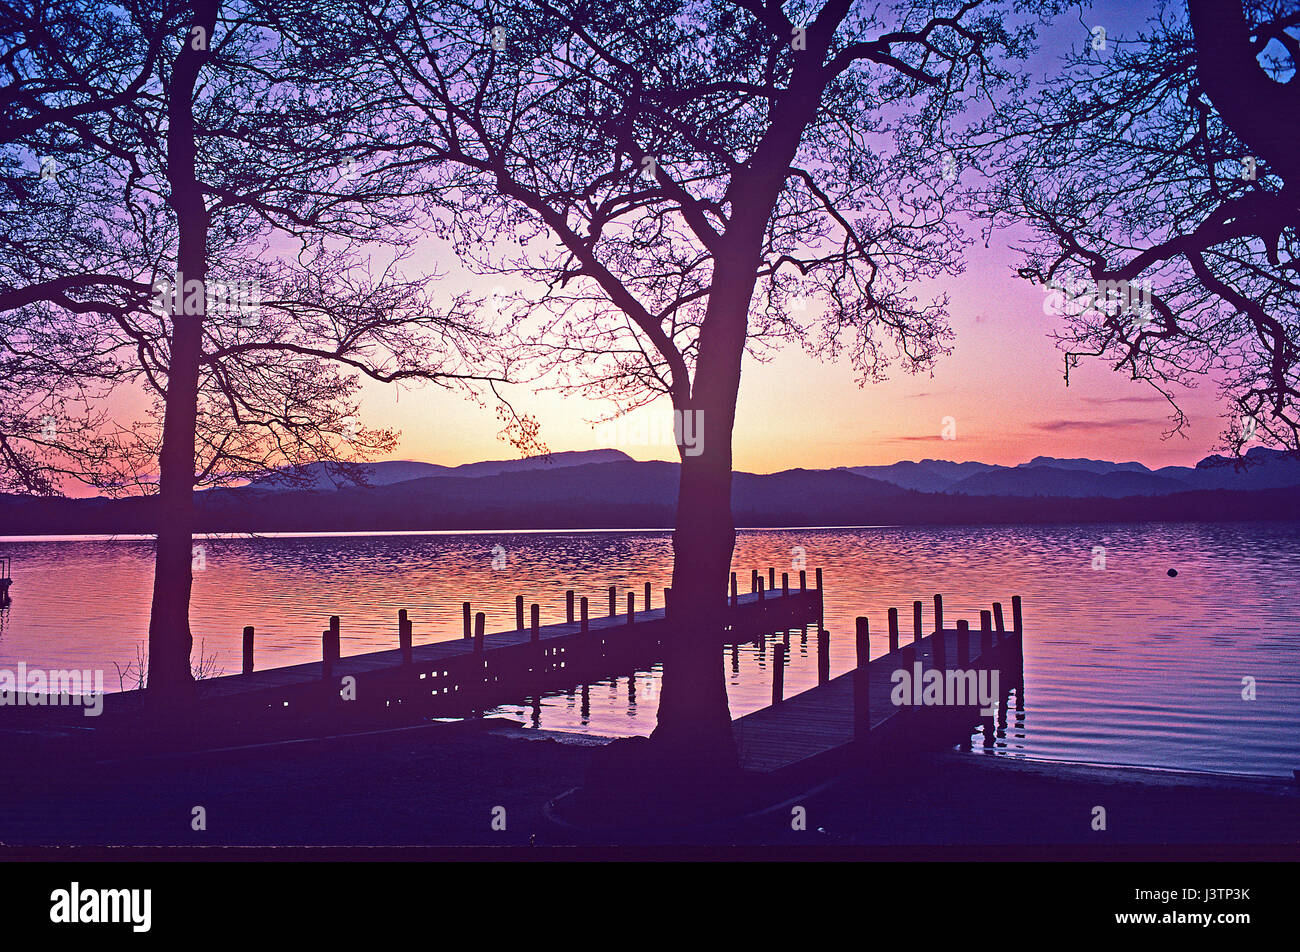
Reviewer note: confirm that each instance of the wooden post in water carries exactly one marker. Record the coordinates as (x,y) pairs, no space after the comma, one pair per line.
(519,613)
(821,602)
(404,639)
(647,597)
(668,594)
(939,649)
(464,611)
(1017,622)
(631,607)
(480,626)
(760,589)
(998,623)
(785,583)
(893,629)
(613,601)
(568,606)
(823,655)
(248,649)
(986,632)
(330,651)
(582,614)
(771,579)
(735,594)
(916,622)
(963,643)
(753,581)
(861,697)
(778,673)
(938,613)
(803,580)
(535,622)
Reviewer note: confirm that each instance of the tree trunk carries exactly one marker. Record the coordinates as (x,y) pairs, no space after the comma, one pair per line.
(171,682)
(694,720)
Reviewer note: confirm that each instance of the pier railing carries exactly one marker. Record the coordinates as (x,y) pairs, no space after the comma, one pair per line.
(484,669)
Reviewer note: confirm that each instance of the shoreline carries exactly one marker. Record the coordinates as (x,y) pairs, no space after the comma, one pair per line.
(437,785)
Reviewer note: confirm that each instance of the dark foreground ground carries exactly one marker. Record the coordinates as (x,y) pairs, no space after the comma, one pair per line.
(441,784)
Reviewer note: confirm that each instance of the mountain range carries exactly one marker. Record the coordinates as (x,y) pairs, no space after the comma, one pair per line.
(608,489)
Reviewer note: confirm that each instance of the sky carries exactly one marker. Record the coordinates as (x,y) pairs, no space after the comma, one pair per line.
(1001,393)
(1002,386)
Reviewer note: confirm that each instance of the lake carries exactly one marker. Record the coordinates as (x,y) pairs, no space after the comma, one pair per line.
(1123,663)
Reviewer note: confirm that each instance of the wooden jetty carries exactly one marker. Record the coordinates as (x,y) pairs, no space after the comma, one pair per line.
(482,669)
(854,713)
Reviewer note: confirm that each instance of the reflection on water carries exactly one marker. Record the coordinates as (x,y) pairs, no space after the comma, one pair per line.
(1123,665)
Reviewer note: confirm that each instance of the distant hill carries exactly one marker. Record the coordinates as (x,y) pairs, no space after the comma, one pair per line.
(608,489)
(624,493)
(317,476)
(1261,468)
(927,476)
(1078,483)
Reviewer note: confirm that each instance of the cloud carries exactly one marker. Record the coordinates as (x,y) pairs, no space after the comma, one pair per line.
(1132,398)
(1058,426)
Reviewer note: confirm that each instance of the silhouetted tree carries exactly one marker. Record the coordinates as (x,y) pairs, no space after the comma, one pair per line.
(183,145)
(1158,178)
(677,179)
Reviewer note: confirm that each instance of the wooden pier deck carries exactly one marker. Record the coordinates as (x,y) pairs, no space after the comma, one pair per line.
(855,711)
(484,669)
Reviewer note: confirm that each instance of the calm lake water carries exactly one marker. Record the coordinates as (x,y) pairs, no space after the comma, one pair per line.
(1123,665)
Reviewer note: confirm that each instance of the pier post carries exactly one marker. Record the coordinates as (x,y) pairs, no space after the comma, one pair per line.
(823,655)
(938,613)
(646,607)
(535,619)
(771,579)
(631,607)
(778,673)
(803,580)
(668,594)
(785,584)
(613,601)
(330,647)
(248,649)
(998,624)
(916,622)
(404,635)
(861,684)
(893,629)
(986,632)
(568,606)
(753,581)
(735,594)
(939,650)
(821,602)
(480,625)
(963,643)
(582,614)
(760,589)
(464,611)
(1017,623)
(519,613)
